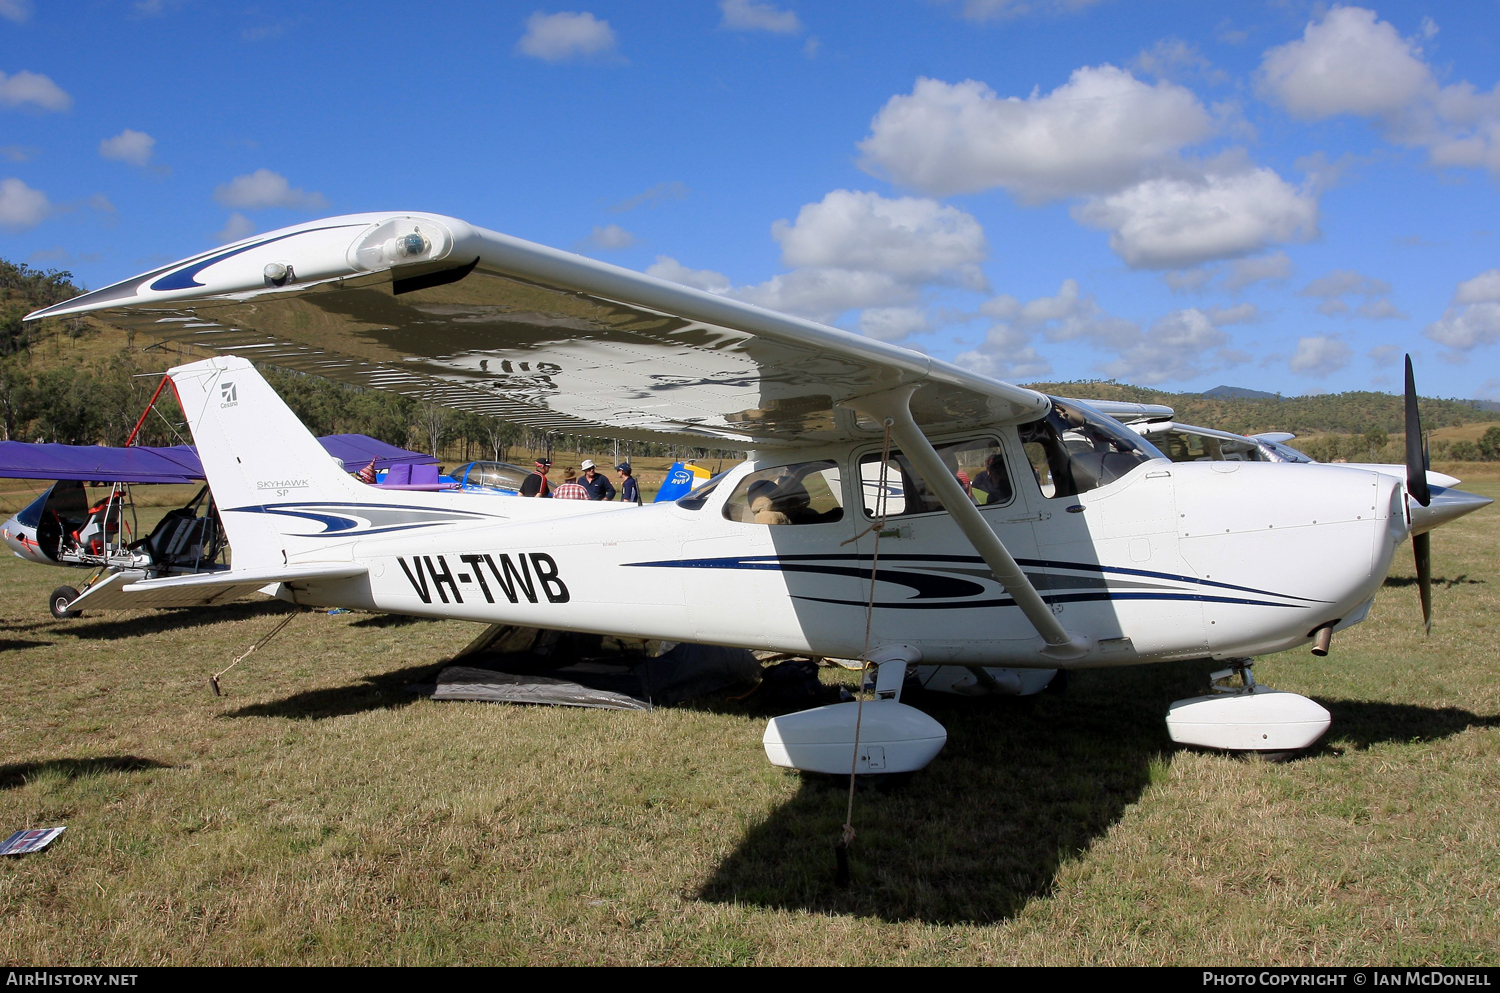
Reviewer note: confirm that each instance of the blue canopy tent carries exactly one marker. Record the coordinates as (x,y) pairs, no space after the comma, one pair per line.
(177,464)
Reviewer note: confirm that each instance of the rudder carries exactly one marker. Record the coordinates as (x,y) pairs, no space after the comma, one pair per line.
(256,455)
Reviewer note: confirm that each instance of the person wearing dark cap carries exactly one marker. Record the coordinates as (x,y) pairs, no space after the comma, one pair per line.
(630,491)
(598,485)
(536,485)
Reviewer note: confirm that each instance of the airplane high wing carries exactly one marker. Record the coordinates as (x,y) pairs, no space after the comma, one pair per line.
(442,311)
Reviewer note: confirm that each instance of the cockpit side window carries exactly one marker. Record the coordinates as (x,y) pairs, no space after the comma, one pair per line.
(1072,450)
(804,493)
(977,463)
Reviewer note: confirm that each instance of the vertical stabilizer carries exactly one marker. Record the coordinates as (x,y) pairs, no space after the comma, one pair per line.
(257,455)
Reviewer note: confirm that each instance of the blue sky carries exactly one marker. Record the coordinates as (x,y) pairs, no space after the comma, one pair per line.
(1285,196)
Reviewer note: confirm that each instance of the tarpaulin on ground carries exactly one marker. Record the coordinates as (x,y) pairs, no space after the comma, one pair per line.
(576,674)
(177,464)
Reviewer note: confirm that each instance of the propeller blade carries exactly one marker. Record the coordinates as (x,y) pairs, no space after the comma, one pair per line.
(1421,546)
(1416,460)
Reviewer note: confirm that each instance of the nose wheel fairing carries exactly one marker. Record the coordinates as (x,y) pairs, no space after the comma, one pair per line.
(1247,717)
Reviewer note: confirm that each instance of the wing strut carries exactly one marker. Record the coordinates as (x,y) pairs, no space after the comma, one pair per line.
(895,406)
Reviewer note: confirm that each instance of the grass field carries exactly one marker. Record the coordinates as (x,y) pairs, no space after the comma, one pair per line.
(319,814)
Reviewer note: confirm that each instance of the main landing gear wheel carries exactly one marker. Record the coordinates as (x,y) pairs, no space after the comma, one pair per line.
(58,602)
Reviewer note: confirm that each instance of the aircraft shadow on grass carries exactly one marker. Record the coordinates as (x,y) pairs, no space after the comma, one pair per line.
(20,773)
(175,619)
(386,691)
(1363,723)
(1438,582)
(16,644)
(1022,785)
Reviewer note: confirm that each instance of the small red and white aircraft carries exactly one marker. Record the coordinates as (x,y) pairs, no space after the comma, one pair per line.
(893,507)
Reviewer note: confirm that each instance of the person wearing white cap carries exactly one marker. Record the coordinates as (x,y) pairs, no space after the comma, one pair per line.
(595,482)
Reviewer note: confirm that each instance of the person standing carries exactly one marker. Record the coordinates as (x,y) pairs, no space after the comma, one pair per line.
(630,490)
(599,487)
(536,484)
(569,489)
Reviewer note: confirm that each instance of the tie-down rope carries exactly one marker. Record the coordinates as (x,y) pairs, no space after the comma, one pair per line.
(881,504)
(213,680)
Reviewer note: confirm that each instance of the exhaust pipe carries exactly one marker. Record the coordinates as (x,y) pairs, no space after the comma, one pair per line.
(1322,639)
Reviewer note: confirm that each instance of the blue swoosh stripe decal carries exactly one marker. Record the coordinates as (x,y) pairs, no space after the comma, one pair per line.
(773,562)
(1061,598)
(186,277)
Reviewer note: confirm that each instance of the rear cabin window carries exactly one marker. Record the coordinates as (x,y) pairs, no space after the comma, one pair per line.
(804,493)
(1072,451)
(977,463)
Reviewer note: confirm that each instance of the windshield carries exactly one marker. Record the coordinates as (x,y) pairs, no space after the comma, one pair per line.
(1075,449)
(694,500)
(1286,453)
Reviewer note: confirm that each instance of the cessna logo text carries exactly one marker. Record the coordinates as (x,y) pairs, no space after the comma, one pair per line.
(281,484)
(229,394)
(526,575)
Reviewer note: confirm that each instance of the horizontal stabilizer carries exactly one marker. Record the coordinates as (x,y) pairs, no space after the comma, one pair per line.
(221,587)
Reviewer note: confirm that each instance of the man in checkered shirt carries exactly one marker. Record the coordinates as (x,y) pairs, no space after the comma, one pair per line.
(570,488)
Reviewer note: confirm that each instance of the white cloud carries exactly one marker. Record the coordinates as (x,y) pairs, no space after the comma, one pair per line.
(1173,58)
(1385,355)
(1351,62)
(236,227)
(981,11)
(1348,63)
(907,237)
(1483,288)
(1006,353)
(1246,272)
(753,15)
(1007,350)
(33,88)
(1333,286)
(1231,208)
(1472,319)
(1379,310)
(823,294)
(853,250)
(1235,276)
(566,36)
(264,188)
(1099,131)
(859,251)
(1244,313)
(658,194)
(611,237)
(21,206)
(133,147)
(15,10)
(16,153)
(892,323)
(666,267)
(1181,345)
(1320,356)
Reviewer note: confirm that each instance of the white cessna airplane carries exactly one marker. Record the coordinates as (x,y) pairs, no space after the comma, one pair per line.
(893,507)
